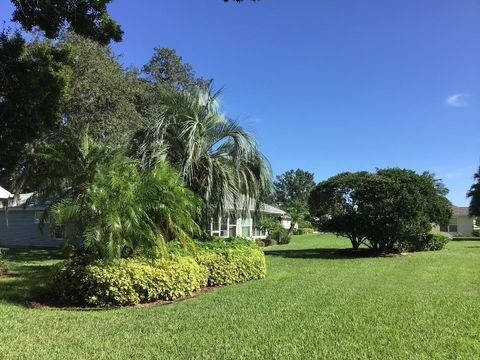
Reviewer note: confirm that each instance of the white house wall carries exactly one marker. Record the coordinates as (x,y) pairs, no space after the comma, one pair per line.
(465,225)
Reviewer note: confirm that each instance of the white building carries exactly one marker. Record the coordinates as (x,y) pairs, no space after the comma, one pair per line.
(461,224)
(236,224)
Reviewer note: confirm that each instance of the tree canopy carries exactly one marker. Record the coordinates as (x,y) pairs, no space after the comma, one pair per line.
(291,191)
(390,209)
(88,18)
(166,68)
(35,80)
(293,185)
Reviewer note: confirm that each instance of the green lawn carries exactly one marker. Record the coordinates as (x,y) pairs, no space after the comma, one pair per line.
(313,304)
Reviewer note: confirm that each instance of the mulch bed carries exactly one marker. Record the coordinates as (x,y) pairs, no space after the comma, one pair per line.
(46,303)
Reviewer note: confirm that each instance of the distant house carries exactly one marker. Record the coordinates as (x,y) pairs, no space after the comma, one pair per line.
(237,223)
(461,224)
(19,220)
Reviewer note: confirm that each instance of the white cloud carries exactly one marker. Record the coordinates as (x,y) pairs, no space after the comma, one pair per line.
(457,100)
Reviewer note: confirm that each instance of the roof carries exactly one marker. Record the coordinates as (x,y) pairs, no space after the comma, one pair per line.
(4,194)
(264,208)
(269,209)
(24,201)
(460,211)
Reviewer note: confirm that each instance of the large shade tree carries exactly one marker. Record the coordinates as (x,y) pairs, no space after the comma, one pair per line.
(34,82)
(216,157)
(74,83)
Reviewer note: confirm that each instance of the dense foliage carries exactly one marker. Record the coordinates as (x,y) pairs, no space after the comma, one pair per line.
(88,18)
(127,281)
(432,242)
(228,265)
(166,68)
(34,81)
(102,199)
(138,280)
(474,195)
(293,185)
(385,210)
(291,192)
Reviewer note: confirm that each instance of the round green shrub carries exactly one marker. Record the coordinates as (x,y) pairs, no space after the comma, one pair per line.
(260,243)
(431,242)
(127,281)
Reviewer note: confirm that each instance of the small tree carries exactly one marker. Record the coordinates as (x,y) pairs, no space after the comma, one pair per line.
(390,209)
(333,203)
(291,192)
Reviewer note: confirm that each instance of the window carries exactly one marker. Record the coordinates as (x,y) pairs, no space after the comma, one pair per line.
(256,229)
(216,226)
(224,227)
(246,227)
(452,226)
(232,225)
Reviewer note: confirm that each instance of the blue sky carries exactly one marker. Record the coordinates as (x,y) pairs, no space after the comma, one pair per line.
(330,85)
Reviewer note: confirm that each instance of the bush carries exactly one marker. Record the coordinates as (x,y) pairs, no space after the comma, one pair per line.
(476,233)
(431,242)
(229,265)
(279,236)
(304,231)
(260,243)
(127,281)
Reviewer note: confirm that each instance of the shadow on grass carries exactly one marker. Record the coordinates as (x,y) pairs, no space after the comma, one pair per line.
(28,274)
(31,255)
(328,253)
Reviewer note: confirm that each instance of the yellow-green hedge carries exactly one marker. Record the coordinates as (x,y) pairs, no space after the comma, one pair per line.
(133,281)
(229,266)
(128,281)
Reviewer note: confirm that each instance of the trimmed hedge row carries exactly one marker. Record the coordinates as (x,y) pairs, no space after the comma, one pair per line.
(128,281)
(229,266)
(134,281)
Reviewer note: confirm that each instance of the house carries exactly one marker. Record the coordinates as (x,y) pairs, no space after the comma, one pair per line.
(237,223)
(19,220)
(461,224)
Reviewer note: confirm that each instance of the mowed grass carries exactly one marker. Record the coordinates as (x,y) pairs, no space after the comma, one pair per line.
(314,303)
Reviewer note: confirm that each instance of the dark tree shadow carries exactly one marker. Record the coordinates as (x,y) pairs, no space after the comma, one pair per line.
(28,275)
(328,253)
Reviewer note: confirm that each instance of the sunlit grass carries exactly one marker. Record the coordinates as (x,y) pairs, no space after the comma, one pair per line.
(315,303)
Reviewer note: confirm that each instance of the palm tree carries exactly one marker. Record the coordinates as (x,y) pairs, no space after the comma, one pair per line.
(101,198)
(216,157)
